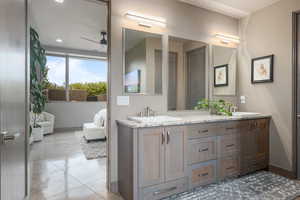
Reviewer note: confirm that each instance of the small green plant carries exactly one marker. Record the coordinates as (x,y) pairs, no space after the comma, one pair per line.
(219,107)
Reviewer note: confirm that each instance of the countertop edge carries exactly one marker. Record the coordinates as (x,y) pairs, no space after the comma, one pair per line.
(136,125)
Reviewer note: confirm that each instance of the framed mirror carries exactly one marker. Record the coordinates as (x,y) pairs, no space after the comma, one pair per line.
(142,63)
(224,66)
(187,74)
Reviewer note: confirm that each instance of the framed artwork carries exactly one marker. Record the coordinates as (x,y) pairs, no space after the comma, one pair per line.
(262,69)
(221,75)
(133,82)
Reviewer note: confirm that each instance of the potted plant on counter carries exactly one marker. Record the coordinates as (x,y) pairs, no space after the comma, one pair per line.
(216,107)
(38,82)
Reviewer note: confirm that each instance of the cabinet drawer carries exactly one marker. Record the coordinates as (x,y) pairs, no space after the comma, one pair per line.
(203,173)
(228,145)
(163,190)
(259,124)
(201,130)
(228,166)
(203,149)
(226,128)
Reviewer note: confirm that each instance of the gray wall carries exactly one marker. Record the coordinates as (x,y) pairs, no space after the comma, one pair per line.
(183,21)
(73,114)
(269,31)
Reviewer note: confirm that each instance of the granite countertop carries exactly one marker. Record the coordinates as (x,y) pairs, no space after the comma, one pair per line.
(191,119)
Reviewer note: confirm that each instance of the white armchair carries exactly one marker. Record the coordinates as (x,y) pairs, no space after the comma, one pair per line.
(97,129)
(46,121)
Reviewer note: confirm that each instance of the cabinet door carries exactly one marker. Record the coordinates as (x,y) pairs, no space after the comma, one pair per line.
(255,146)
(262,140)
(248,146)
(175,153)
(151,156)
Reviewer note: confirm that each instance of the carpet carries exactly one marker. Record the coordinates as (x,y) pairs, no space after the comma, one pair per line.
(258,186)
(92,149)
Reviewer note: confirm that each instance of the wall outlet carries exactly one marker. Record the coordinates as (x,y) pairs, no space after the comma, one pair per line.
(243,99)
(123,100)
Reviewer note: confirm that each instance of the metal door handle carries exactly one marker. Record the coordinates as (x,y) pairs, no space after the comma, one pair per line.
(298,116)
(6,137)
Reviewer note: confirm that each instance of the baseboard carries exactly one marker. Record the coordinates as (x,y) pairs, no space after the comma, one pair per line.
(282,172)
(69,129)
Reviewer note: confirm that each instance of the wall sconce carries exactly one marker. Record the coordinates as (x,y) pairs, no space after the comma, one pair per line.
(146,21)
(228,38)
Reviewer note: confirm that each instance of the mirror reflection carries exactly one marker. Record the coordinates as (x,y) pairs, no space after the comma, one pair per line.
(224,70)
(142,62)
(187,82)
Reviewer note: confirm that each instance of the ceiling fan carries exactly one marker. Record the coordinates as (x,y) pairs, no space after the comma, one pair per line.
(103,40)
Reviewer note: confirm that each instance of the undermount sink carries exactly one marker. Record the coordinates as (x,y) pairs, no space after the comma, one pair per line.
(244,114)
(154,119)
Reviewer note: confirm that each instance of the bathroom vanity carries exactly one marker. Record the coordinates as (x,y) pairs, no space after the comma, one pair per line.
(161,159)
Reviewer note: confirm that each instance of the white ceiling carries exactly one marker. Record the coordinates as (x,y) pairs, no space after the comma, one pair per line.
(70,21)
(233,8)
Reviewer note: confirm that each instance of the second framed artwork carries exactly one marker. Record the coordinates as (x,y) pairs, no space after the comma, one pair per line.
(262,69)
(221,76)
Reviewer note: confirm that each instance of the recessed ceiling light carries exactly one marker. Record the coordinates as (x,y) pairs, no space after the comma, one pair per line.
(59,40)
(59,1)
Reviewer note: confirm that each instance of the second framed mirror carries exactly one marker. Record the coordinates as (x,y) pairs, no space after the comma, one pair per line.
(187,74)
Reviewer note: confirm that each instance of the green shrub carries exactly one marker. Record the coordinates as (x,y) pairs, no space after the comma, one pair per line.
(93,89)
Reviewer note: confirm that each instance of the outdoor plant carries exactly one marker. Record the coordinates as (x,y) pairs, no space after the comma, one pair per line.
(93,89)
(219,107)
(38,76)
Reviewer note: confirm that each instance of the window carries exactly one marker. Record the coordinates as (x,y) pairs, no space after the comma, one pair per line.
(56,78)
(86,78)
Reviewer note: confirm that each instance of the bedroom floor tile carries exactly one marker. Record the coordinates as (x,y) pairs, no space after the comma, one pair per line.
(60,171)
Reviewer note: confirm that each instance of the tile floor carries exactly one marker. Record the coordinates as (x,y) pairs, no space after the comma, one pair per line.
(60,171)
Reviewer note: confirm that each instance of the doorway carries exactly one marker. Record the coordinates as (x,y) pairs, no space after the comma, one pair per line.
(68,155)
(196,64)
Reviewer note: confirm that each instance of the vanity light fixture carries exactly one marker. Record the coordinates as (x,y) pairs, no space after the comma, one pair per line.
(146,21)
(59,1)
(228,38)
(59,40)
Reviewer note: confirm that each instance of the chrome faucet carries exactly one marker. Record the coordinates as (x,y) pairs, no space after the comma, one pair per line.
(233,108)
(146,113)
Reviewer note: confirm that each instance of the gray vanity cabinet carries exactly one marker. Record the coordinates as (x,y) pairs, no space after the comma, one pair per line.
(156,162)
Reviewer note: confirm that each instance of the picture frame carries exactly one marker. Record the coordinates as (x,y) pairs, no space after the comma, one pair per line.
(221,75)
(262,69)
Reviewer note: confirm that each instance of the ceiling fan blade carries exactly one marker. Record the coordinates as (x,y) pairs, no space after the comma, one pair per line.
(90,40)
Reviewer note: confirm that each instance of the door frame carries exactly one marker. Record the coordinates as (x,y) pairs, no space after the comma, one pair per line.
(109,185)
(295,135)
